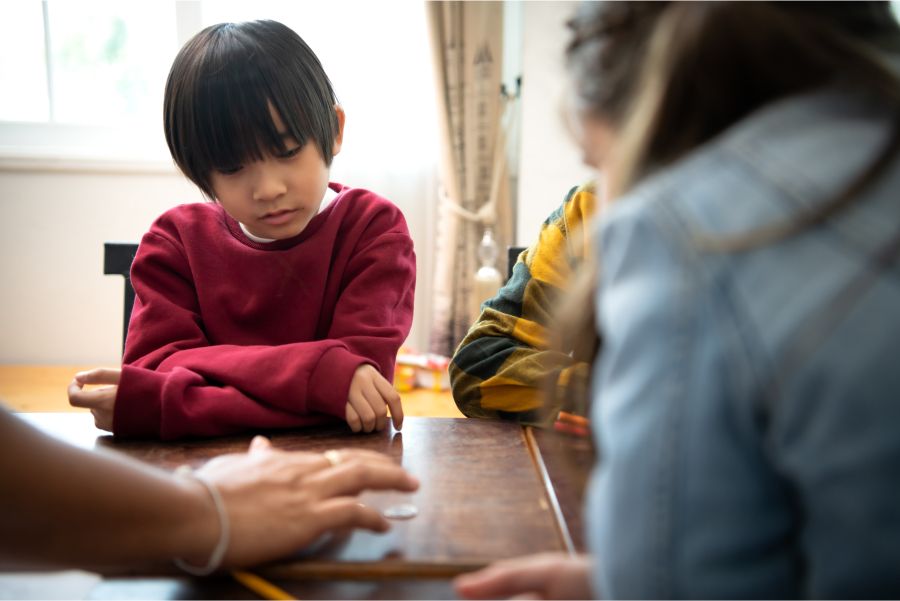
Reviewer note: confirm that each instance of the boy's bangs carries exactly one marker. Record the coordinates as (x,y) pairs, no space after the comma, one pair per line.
(236,126)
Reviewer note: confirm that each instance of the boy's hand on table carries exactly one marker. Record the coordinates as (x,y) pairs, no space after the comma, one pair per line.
(101,401)
(369,399)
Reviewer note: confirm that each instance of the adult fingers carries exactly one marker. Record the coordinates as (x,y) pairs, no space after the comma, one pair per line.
(392,398)
(363,455)
(100,375)
(353,477)
(516,577)
(348,512)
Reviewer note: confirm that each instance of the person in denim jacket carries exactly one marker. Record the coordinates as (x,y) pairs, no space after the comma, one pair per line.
(747,402)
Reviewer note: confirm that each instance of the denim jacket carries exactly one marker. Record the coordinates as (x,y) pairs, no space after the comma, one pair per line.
(749,432)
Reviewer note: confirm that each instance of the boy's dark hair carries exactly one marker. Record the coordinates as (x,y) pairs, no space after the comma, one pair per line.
(216,107)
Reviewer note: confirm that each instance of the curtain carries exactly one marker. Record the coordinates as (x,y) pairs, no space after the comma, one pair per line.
(467,50)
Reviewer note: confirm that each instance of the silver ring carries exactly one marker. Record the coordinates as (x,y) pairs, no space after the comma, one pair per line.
(333,457)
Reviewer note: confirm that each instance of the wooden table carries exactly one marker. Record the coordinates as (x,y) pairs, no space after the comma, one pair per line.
(489,490)
(34,388)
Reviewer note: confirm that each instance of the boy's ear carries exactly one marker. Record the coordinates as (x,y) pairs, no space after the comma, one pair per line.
(339,138)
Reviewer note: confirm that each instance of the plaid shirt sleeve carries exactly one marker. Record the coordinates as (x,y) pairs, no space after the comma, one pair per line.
(503,368)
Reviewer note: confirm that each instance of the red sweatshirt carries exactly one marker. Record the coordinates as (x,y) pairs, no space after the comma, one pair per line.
(228,334)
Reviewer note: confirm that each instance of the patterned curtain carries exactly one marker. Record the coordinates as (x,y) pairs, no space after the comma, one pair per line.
(467,48)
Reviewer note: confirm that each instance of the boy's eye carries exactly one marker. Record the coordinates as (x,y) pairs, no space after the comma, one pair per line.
(230,170)
(290,153)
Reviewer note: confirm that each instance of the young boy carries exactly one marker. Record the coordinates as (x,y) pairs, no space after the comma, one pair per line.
(506,367)
(286,299)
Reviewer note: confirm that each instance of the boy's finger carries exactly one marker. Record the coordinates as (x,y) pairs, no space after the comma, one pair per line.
(101,375)
(380,422)
(260,444)
(74,388)
(364,409)
(353,418)
(83,398)
(391,397)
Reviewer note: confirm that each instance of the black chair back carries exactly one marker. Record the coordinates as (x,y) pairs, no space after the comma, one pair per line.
(512,255)
(117,258)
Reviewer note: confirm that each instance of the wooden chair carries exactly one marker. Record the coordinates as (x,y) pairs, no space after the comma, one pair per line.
(512,255)
(117,258)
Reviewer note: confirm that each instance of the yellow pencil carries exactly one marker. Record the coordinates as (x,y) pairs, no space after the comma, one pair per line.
(260,586)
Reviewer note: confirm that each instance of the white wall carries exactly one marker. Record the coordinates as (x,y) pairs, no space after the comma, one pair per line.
(550,163)
(56,305)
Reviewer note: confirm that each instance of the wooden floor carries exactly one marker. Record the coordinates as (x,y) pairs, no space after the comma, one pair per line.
(43,388)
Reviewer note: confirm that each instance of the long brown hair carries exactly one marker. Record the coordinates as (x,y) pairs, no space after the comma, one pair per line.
(670,76)
(710,64)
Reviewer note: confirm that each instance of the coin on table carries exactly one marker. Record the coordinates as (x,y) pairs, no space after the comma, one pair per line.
(401,512)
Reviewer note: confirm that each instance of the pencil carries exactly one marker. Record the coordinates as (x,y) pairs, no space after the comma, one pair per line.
(571,418)
(572,429)
(260,586)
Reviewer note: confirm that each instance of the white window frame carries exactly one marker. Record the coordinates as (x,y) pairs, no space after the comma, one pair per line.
(30,146)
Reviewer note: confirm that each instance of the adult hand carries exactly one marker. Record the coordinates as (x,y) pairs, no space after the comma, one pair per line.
(369,398)
(541,576)
(279,501)
(101,401)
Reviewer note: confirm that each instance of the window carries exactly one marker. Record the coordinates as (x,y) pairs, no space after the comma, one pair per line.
(89,76)
(87,81)
(88,63)
(22,71)
(107,61)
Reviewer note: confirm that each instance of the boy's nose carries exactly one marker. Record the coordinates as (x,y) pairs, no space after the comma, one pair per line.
(268,184)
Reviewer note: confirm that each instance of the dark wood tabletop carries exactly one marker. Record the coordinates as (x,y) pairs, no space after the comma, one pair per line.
(489,490)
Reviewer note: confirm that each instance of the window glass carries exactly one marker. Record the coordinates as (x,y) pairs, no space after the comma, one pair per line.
(379,62)
(23,76)
(109,60)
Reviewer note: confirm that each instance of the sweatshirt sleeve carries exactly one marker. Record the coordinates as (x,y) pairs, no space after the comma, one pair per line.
(504,367)
(176,383)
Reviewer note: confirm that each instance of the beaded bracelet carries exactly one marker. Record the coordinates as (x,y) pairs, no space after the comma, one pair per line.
(215,560)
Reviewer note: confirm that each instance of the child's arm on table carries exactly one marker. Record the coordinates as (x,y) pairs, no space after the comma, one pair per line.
(176,383)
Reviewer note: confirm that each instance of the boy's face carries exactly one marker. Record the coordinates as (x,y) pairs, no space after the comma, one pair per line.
(278,196)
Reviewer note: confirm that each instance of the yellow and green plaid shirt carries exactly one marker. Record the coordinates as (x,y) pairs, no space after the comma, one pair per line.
(503,367)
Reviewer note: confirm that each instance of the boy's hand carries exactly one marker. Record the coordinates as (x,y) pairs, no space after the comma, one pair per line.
(100,401)
(370,397)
